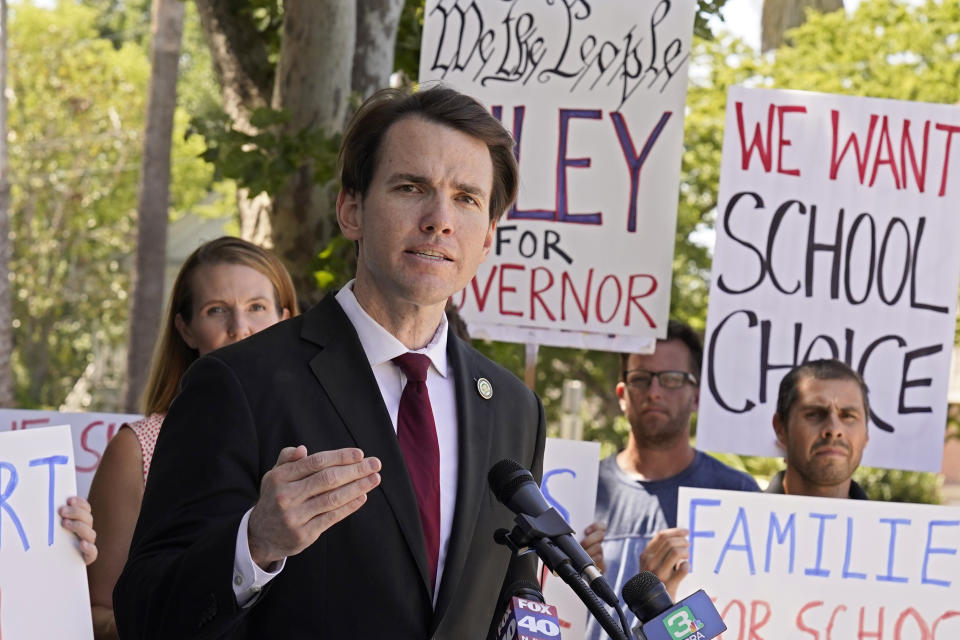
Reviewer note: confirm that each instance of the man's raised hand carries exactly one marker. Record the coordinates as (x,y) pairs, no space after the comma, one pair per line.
(303,496)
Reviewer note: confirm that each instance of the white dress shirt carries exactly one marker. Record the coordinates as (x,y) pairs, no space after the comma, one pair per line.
(380,347)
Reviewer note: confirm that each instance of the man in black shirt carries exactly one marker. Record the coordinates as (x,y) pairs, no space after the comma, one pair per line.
(821,424)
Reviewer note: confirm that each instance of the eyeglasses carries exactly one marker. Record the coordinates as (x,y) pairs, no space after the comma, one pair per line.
(641,379)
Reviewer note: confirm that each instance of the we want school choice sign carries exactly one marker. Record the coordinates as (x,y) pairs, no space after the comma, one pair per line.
(43,581)
(837,237)
(818,568)
(90,432)
(594,94)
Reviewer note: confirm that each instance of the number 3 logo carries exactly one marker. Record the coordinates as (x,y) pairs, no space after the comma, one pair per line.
(678,623)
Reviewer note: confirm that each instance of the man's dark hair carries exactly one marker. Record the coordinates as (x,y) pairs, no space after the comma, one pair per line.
(359,151)
(820,370)
(683,332)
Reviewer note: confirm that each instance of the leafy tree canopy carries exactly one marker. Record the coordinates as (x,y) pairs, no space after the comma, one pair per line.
(77,103)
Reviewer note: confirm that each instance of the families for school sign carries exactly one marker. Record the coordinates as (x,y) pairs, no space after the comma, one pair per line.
(837,237)
(594,94)
(791,567)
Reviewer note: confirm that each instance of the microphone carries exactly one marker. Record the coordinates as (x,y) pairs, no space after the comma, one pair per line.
(515,487)
(526,617)
(693,618)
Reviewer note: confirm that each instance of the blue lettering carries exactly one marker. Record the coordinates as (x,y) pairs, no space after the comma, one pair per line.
(740,521)
(889,577)
(694,534)
(50,461)
(817,570)
(7,490)
(932,550)
(634,161)
(846,555)
(546,491)
(515,213)
(563,214)
(781,534)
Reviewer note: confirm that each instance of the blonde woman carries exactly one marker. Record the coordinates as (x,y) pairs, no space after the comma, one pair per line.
(226,290)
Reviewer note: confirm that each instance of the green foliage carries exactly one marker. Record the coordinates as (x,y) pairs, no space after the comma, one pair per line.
(893,485)
(265,161)
(75,129)
(122,21)
(406,56)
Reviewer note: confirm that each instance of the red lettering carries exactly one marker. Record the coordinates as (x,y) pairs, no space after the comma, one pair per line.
(506,289)
(600,297)
(800,624)
(535,293)
(783,142)
(852,140)
(921,625)
(743,616)
(862,633)
(84,445)
(482,299)
(566,281)
(946,616)
(757,142)
(754,624)
(890,160)
(632,299)
(833,617)
(26,422)
(950,129)
(919,175)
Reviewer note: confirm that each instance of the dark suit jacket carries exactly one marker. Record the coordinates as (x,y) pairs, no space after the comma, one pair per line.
(307,381)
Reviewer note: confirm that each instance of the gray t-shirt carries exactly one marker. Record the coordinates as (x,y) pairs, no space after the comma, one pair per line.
(635,510)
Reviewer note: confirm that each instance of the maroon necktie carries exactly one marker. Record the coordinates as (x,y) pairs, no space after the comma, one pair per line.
(417,433)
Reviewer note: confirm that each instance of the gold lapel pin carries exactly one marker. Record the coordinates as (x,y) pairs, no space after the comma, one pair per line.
(484,388)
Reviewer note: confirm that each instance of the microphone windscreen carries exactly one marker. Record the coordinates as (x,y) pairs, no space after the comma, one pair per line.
(646,596)
(506,477)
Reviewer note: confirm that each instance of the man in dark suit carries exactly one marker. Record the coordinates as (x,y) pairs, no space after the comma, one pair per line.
(294,491)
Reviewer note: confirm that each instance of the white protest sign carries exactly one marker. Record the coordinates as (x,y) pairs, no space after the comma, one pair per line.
(817,568)
(570,471)
(43,581)
(91,432)
(837,234)
(594,94)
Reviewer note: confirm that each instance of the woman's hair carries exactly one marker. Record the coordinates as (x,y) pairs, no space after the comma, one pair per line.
(172,355)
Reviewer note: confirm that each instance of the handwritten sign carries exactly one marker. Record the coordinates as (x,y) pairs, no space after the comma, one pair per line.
(594,94)
(91,432)
(797,567)
(43,581)
(570,472)
(837,234)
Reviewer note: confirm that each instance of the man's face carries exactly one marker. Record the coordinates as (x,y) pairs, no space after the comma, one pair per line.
(658,414)
(423,226)
(826,430)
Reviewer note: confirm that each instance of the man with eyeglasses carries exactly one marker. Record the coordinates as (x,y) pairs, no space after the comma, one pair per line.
(637,492)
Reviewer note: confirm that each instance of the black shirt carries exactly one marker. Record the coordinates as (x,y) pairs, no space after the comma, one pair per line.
(776,486)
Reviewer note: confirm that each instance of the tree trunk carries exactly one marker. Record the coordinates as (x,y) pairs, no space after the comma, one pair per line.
(313,85)
(328,51)
(154,197)
(6,328)
(245,73)
(377,22)
(779,16)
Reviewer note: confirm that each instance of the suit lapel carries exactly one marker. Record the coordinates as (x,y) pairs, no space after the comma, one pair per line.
(474,436)
(342,370)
